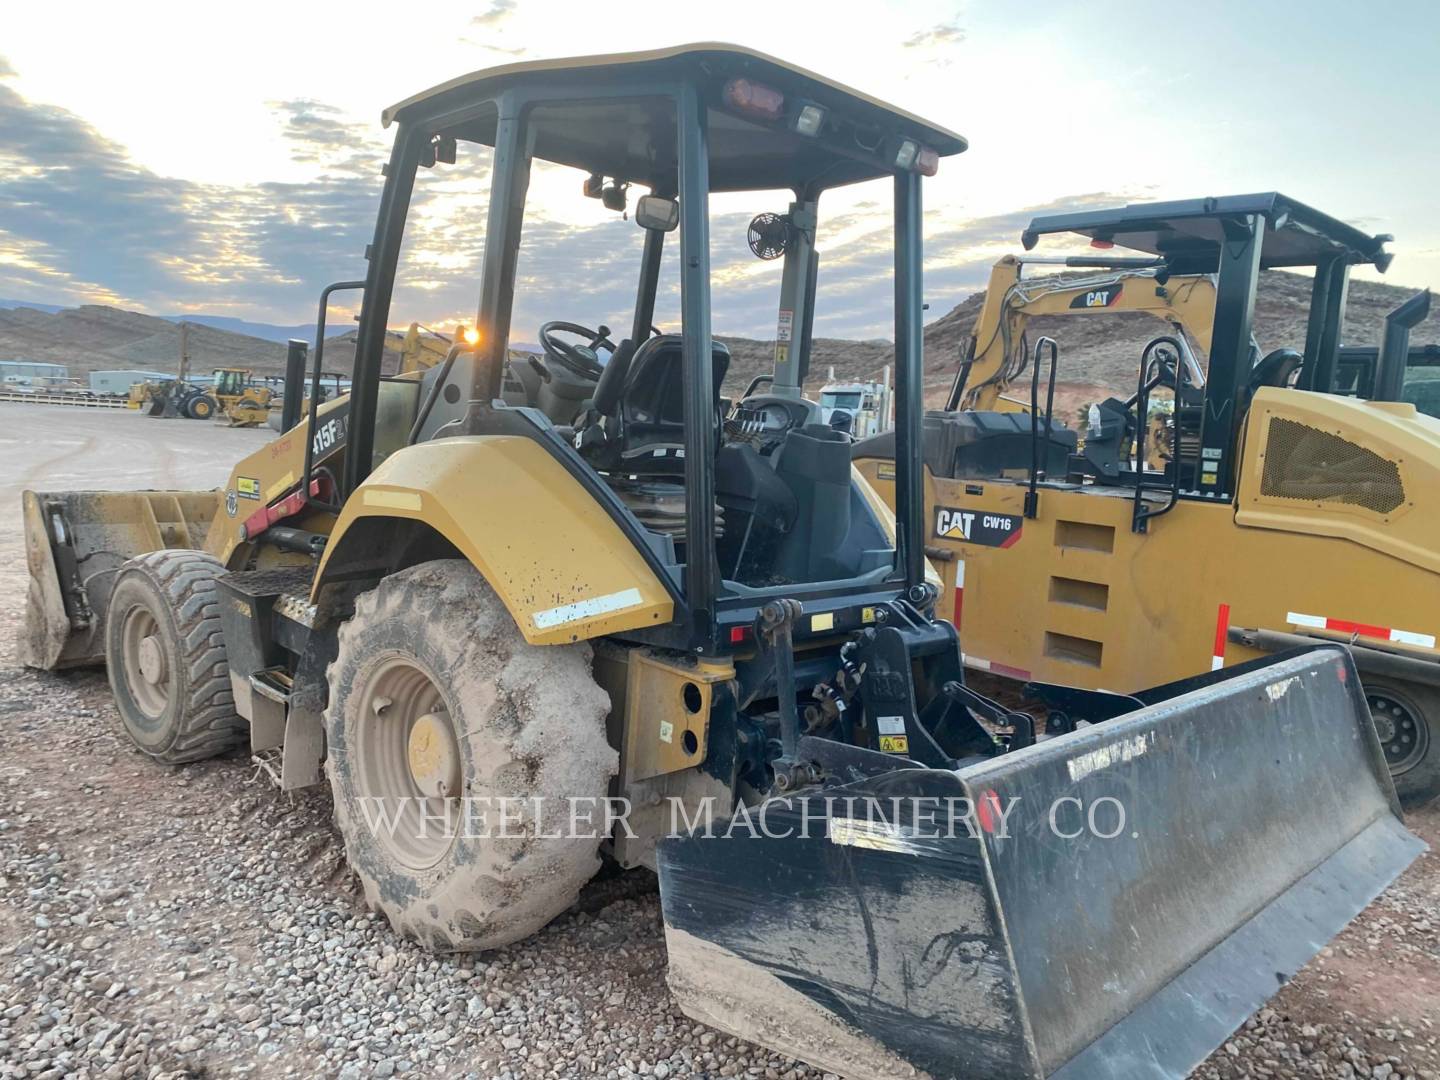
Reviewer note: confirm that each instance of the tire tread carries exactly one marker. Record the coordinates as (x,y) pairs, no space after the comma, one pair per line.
(209,725)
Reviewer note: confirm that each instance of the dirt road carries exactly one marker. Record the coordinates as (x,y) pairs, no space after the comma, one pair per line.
(195,922)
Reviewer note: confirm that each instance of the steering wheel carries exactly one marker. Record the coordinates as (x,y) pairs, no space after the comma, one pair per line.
(579,360)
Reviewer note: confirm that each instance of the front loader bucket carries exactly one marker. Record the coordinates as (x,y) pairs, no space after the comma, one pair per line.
(74,543)
(1110,903)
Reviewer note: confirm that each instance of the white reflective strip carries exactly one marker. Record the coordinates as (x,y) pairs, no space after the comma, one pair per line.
(583,609)
(1216,663)
(975,662)
(959,573)
(1317,621)
(1405,637)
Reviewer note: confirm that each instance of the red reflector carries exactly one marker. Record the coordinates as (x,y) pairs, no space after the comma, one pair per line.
(738,634)
(754,99)
(927,162)
(1103,244)
(988,809)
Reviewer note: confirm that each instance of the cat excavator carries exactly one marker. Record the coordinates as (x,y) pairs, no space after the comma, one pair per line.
(1268,507)
(999,353)
(522,615)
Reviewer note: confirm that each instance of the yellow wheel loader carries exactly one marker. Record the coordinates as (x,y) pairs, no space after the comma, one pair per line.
(523,616)
(1268,516)
(190,401)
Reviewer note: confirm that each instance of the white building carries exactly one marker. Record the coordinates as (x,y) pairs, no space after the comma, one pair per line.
(32,373)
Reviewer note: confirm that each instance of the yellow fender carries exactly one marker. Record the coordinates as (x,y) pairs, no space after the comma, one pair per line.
(563,568)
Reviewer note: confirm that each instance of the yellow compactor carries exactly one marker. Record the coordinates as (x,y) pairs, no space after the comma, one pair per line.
(1270,511)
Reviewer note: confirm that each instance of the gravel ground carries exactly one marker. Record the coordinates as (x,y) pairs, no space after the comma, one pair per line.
(195,922)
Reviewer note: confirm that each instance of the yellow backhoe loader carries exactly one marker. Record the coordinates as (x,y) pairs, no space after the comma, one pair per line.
(1269,515)
(537,586)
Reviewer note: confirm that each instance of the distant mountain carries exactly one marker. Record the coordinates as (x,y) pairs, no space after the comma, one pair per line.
(228,323)
(49,308)
(96,338)
(264,331)
(1099,355)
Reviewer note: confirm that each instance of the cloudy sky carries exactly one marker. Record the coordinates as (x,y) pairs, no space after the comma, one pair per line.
(224,158)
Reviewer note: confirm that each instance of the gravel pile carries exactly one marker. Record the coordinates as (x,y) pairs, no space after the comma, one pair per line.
(160,923)
(180,923)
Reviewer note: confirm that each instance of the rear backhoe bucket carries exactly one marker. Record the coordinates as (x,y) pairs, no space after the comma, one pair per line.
(1046,935)
(74,543)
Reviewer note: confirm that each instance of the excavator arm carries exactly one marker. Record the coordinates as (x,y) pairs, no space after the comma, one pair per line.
(997,356)
(422,349)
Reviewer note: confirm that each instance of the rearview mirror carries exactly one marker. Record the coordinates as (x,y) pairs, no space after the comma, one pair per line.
(654,212)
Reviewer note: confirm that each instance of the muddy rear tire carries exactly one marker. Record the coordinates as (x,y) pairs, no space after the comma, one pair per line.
(1407,720)
(438,710)
(165,654)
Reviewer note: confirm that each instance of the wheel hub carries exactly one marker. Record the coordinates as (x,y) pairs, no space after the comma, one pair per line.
(434,756)
(1403,734)
(143,663)
(152,660)
(1384,726)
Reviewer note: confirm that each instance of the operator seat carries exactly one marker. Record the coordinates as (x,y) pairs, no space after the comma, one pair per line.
(1275,369)
(652,405)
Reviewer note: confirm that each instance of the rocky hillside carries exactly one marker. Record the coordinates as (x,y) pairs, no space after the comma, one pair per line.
(1097,354)
(95,338)
(1103,352)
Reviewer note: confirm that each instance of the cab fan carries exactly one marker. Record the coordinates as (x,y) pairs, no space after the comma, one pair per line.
(769,235)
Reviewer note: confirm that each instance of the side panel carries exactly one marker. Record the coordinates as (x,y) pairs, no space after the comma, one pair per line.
(1354,470)
(1074,596)
(564,569)
(272,471)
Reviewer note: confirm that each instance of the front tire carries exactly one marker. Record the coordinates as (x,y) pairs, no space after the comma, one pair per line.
(165,655)
(201,407)
(439,713)
(1407,721)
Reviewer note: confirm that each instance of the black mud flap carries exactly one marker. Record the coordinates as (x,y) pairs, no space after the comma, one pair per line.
(1111,903)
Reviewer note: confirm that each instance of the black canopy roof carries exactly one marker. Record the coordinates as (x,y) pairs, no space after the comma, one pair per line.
(634,139)
(1188,232)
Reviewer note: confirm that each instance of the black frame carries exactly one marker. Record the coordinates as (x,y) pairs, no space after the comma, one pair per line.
(1235,237)
(703,615)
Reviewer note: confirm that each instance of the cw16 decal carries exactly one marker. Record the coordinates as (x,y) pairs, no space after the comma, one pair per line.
(977,526)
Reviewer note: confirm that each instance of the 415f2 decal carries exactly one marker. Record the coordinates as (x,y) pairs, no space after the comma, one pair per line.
(977,526)
(330,434)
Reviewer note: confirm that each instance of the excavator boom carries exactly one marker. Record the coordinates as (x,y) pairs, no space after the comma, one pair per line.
(997,354)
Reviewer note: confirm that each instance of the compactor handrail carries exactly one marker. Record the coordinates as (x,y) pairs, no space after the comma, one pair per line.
(1140,518)
(1032,497)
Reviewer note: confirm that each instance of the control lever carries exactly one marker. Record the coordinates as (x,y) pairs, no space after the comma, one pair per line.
(776,624)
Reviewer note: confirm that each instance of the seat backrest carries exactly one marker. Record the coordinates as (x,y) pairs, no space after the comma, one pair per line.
(1275,369)
(652,404)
